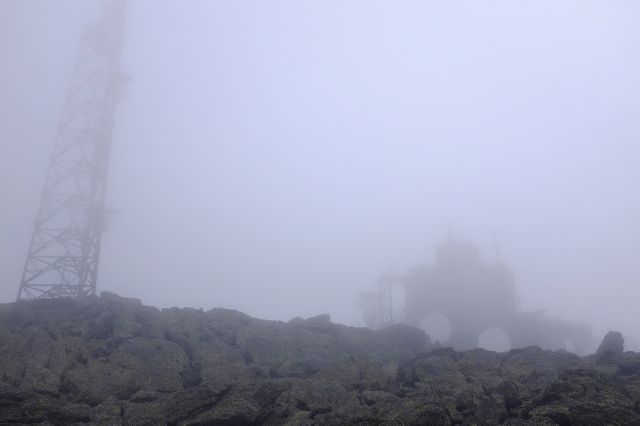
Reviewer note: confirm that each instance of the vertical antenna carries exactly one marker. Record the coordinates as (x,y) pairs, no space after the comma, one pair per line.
(65,244)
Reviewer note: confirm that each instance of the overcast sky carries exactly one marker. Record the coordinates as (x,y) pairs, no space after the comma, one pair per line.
(278,156)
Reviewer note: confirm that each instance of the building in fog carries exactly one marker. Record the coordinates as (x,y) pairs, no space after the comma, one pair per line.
(464,302)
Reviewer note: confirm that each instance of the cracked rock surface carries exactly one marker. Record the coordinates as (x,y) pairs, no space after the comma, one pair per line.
(111,360)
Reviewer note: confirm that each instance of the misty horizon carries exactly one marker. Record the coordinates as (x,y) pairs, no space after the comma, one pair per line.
(279,157)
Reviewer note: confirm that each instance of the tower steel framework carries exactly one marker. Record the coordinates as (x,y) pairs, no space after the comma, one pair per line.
(65,245)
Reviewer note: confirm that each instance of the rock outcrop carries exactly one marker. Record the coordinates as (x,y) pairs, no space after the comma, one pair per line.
(111,360)
(611,348)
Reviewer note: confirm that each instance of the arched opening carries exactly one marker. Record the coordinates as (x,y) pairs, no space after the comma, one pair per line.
(570,345)
(494,339)
(437,326)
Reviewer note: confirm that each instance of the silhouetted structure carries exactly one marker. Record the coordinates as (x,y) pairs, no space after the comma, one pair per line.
(65,246)
(473,298)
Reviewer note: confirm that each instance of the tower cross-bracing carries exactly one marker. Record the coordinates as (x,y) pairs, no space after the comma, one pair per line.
(65,245)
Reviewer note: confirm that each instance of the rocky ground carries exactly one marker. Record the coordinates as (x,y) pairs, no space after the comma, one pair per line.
(111,360)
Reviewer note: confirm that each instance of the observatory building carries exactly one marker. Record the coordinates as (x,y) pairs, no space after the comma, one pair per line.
(463,302)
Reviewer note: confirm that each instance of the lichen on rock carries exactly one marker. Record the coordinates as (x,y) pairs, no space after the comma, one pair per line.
(111,360)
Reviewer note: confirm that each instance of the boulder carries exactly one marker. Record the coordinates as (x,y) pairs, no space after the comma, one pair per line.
(611,348)
(406,337)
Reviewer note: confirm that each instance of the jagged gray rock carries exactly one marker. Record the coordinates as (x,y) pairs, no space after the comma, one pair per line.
(611,347)
(112,360)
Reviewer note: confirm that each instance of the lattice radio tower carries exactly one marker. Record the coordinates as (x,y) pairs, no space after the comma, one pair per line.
(65,245)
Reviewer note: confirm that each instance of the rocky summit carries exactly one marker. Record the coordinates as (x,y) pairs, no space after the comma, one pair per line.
(111,360)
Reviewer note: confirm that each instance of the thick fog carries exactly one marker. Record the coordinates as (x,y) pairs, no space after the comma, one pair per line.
(278,157)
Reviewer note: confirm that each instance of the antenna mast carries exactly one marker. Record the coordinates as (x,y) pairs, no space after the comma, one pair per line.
(65,245)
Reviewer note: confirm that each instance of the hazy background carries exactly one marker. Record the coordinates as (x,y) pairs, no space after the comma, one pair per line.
(278,156)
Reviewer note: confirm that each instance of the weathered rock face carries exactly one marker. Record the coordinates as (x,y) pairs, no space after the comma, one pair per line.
(110,360)
(611,348)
